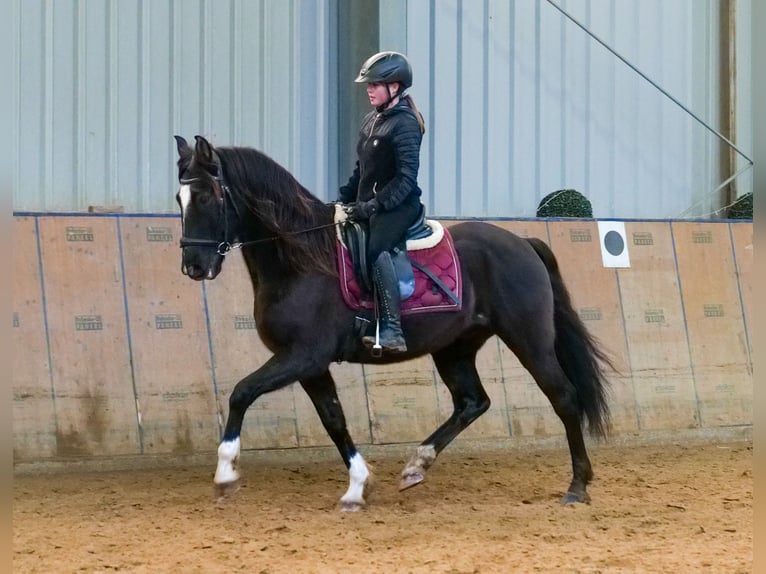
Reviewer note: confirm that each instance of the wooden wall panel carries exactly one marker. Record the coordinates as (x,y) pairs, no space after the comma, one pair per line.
(524,228)
(596,298)
(123,324)
(34,415)
(715,326)
(92,380)
(742,239)
(402,401)
(654,324)
(271,421)
(171,355)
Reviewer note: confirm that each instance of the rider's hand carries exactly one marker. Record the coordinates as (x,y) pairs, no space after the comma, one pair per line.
(362,210)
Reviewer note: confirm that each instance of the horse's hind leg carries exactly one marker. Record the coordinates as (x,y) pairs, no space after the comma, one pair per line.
(550,377)
(457,367)
(321,391)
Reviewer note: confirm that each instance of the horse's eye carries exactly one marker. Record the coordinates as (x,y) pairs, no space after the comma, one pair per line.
(205,199)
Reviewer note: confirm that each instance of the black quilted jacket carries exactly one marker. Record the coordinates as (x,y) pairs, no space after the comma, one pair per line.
(388,155)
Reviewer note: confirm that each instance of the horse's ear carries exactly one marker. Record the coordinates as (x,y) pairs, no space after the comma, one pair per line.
(203,149)
(183,147)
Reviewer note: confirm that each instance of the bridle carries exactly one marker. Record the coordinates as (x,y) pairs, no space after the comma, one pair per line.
(224,246)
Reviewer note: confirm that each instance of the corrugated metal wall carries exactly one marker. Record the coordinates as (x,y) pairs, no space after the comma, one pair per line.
(518,101)
(103,86)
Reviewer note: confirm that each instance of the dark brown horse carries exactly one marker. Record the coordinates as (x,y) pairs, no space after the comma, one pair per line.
(238,197)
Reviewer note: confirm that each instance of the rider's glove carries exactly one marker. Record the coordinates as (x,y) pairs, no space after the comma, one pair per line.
(362,210)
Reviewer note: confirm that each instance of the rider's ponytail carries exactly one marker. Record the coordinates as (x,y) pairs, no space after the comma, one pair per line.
(422,123)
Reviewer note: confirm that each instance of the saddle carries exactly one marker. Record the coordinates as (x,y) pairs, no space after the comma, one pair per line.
(425,262)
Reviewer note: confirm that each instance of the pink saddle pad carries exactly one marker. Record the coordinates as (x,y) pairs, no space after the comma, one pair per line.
(441,260)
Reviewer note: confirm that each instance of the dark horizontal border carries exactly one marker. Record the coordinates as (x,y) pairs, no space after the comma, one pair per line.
(437,217)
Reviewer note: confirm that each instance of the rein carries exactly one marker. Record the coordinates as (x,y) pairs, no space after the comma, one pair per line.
(225,246)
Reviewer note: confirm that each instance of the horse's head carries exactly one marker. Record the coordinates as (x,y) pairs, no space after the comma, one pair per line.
(202,201)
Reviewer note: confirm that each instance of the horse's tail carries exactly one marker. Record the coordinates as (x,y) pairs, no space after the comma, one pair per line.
(577,350)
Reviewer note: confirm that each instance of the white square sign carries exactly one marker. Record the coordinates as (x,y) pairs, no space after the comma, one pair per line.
(614,244)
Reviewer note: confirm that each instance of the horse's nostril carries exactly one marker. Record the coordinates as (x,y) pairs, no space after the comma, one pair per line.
(194,271)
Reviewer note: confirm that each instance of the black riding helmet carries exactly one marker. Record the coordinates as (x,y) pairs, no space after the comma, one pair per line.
(386,67)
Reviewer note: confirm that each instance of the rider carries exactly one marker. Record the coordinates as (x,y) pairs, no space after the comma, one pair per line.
(383,188)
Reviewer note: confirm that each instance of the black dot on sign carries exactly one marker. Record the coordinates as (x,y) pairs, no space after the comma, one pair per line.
(614,243)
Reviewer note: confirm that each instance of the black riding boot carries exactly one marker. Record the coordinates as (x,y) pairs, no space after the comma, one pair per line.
(387,286)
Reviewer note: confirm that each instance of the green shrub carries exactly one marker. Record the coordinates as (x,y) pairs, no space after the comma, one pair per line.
(565,203)
(742,208)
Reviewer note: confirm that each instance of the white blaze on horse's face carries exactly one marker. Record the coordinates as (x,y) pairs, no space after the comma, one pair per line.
(196,262)
(184,196)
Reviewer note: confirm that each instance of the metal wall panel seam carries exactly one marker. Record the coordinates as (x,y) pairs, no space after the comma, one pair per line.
(588,104)
(293,57)
(81,100)
(613,115)
(485,112)
(563,96)
(321,180)
(112,62)
(511,98)
(261,105)
(660,153)
(538,121)
(144,108)
(16,137)
(458,105)
(174,111)
(235,78)
(431,105)
(126,309)
(698,410)
(48,112)
(205,104)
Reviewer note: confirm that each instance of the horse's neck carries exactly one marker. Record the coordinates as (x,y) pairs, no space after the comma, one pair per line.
(264,268)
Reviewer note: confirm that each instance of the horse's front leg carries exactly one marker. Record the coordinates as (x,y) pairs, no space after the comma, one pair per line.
(321,391)
(278,372)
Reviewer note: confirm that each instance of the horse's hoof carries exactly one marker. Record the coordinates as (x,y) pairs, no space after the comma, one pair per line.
(572,498)
(350,506)
(225,489)
(410,480)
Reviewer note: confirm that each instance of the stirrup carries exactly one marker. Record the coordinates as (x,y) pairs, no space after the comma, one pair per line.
(377,349)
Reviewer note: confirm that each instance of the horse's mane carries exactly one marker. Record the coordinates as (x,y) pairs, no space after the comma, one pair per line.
(284,207)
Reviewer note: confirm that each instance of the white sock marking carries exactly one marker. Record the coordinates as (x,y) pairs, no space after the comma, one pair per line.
(228,453)
(423,458)
(357,474)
